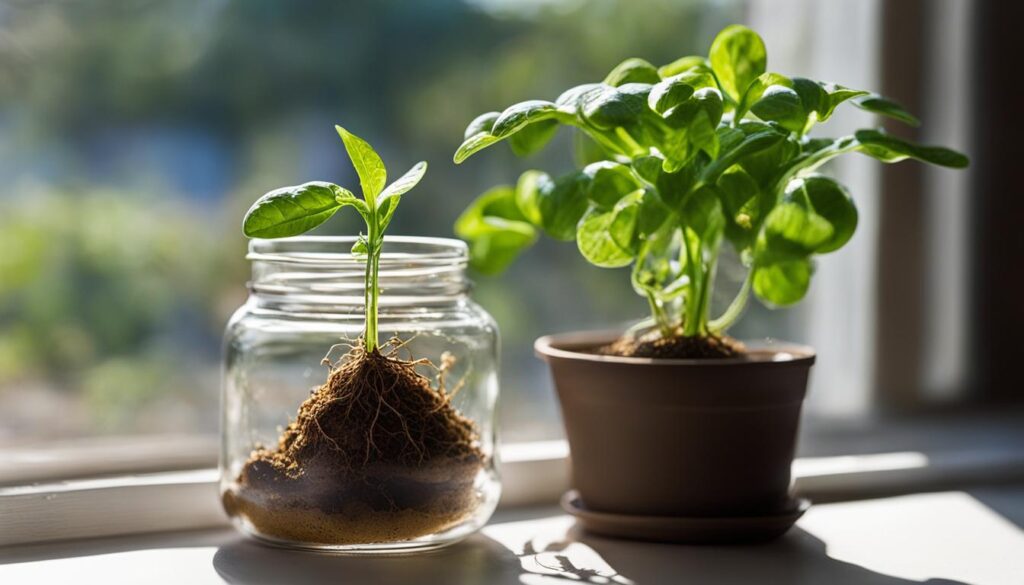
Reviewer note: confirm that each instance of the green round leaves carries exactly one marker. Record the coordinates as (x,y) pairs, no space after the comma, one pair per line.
(616,106)
(496,230)
(528,125)
(632,71)
(738,57)
(830,201)
(606,238)
(783,283)
(816,216)
(679,159)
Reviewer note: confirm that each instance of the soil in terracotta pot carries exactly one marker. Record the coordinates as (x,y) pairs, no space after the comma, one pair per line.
(654,345)
(376,454)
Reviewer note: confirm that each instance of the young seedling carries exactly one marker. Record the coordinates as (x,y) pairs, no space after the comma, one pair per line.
(292,211)
(377,452)
(678,159)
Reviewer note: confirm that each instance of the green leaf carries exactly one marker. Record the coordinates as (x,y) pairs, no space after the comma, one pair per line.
(738,57)
(890,149)
(517,116)
(632,71)
(481,124)
(609,183)
(751,144)
(359,248)
(792,231)
(702,212)
(533,137)
(345,197)
(837,94)
(830,201)
(654,213)
(739,195)
(783,105)
(528,194)
(573,100)
(683,64)
(677,89)
(782,283)
(292,211)
(596,241)
(404,183)
(616,106)
(529,126)
(495,229)
(387,201)
(702,129)
(886,107)
(795,103)
(368,165)
(474,144)
(562,203)
(757,89)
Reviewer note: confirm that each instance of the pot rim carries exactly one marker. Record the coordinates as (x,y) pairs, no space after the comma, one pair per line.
(776,352)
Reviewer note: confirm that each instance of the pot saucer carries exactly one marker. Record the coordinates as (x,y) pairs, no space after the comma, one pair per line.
(685,530)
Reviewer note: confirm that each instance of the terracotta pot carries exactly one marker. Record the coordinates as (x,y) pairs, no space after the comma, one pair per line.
(687,438)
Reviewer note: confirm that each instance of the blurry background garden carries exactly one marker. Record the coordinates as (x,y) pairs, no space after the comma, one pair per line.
(134,134)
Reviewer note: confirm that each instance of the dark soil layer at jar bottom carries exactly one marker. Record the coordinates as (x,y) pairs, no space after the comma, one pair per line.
(654,345)
(376,454)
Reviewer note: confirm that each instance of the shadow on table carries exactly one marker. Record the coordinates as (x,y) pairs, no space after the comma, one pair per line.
(795,559)
(477,559)
(572,557)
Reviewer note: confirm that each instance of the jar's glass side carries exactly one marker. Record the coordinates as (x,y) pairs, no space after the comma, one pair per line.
(273,364)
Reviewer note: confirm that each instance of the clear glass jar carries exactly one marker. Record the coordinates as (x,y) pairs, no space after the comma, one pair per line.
(325,477)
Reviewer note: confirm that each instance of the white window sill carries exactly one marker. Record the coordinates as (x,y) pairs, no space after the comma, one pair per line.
(142,485)
(533,474)
(950,537)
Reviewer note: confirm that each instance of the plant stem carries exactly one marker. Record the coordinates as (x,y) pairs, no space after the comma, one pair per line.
(373,246)
(735,308)
(705,292)
(692,310)
(660,318)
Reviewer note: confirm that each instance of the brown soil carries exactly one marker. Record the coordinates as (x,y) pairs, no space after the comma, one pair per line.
(653,345)
(376,454)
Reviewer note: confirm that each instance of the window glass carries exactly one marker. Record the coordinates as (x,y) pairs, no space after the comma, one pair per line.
(133,136)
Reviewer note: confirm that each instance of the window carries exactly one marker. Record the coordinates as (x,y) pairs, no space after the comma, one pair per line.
(136,134)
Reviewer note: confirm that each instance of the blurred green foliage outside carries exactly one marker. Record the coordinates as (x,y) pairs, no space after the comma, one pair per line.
(133,135)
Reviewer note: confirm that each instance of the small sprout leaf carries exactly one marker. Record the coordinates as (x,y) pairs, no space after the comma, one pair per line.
(404,183)
(291,211)
(370,168)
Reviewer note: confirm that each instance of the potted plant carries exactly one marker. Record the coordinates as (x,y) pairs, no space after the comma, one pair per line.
(393,448)
(678,431)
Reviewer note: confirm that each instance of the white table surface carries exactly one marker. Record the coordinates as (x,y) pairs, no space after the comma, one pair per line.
(942,538)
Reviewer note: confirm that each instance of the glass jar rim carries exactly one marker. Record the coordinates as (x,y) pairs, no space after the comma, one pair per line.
(335,250)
